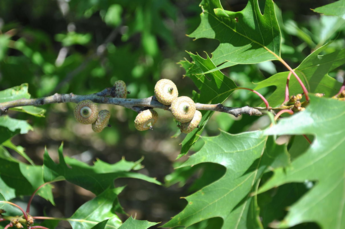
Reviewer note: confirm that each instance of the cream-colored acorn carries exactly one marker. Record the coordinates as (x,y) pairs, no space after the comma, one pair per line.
(166,91)
(86,112)
(183,109)
(190,126)
(120,89)
(102,121)
(145,120)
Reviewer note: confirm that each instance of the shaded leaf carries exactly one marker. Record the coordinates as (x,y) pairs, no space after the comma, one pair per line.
(18,179)
(95,178)
(214,88)
(323,163)
(246,37)
(246,157)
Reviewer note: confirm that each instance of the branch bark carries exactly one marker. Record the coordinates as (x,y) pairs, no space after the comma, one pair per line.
(137,105)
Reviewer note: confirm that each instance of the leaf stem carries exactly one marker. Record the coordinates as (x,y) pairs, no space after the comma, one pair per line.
(305,136)
(282,112)
(298,79)
(8,225)
(39,227)
(15,205)
(33,194)
(261,96)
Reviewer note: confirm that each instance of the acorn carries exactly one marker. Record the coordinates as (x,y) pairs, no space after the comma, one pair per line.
(86,112)
(145,120)
(102,121)
(190,126)
(166,91)
(183,109)
(120,89)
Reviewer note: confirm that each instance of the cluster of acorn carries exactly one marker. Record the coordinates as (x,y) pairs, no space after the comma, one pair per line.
(182,108)
(86,112)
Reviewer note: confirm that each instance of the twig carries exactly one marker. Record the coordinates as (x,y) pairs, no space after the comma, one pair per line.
(230,110)
(137,105)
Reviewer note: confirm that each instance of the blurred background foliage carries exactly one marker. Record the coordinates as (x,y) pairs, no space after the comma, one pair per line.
(64,46)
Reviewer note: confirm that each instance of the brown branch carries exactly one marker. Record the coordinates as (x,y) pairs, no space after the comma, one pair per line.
(133,104)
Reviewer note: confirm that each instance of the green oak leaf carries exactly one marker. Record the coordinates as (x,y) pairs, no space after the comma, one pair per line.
(333,9)
(246,157)
(131,223)
(94,178)
(312,71)
(246,37)
(18,179)
(101,225)
(322,163)
(14,124)
(10,127)
(275,202)
(214,88)
(97,210)
(18,149)
(20,92)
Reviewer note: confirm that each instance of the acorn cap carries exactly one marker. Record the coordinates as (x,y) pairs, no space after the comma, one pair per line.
(120,89)
(102,121)
(166,91)
(190,126)
(86,112)
(145,120)
(183,109)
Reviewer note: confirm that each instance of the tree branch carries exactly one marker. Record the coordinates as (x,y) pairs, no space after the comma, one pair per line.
(137,105)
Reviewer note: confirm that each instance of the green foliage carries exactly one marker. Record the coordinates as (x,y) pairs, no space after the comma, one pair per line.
(313,72)
(249,174)
(95,178)
(214,88)
(334,9)
(321,163)
(245,158)
(246,37)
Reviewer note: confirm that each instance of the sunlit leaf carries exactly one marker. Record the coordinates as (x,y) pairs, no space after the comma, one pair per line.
(336,9)
(322,163)
(246,37)
(246,157)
